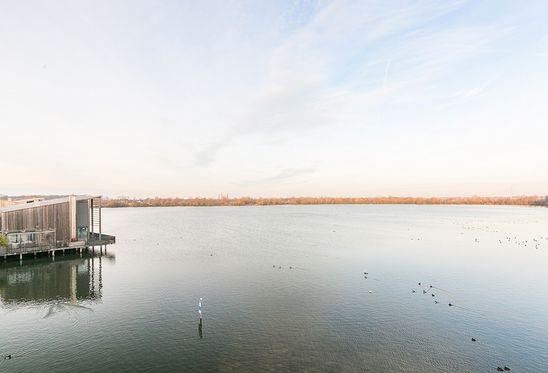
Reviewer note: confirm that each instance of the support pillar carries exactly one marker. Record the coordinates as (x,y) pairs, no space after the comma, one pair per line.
(100,222)
(72,221)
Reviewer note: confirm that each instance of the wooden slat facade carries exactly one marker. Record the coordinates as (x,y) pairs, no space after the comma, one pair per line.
(55,217)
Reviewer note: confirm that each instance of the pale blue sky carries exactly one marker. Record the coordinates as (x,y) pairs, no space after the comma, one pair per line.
(197,98)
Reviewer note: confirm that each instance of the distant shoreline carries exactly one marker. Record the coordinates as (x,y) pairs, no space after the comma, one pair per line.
(247,201)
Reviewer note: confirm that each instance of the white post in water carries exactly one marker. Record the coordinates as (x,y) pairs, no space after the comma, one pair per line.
(200,333)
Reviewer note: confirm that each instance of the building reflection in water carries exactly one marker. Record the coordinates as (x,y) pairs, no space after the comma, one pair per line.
(69,279)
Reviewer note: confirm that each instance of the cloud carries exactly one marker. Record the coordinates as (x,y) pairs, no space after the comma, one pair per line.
(290,173)
(283,175)
(205,156)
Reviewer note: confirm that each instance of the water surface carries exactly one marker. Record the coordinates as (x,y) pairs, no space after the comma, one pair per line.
(284,289)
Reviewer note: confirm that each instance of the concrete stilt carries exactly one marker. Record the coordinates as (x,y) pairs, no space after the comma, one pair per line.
(20,257)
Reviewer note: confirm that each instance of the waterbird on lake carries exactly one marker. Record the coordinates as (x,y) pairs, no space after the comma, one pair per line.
(7,357)
(499,369)
(435,287)
(413,291)
(473,339)
(506,368)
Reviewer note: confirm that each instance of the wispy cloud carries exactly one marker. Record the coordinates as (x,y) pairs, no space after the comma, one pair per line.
(282,176)
(300,94)
(289,173)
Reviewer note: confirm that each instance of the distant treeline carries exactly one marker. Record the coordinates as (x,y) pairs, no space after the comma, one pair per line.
(541,202)
(248,201)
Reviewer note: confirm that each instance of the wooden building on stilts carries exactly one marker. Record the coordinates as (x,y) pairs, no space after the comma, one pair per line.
(49,225)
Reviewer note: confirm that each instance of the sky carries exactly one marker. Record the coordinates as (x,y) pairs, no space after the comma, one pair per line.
(274,98)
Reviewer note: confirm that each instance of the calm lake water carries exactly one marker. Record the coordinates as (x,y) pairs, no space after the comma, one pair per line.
(284,289)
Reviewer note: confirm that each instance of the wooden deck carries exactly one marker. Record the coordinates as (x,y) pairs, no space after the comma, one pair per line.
(76,247)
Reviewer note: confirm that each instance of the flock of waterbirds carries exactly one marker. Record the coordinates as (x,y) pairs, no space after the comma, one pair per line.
(437,293)
(425,289)
(536,242)
(432,290)
(508,238)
